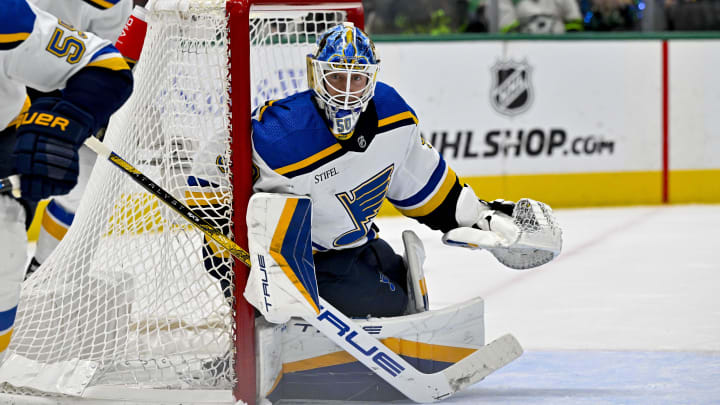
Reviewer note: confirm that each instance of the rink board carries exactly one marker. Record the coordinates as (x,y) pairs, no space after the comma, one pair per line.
(589,122)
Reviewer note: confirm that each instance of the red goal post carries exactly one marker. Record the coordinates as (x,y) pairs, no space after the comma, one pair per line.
(239,14)
(134,304)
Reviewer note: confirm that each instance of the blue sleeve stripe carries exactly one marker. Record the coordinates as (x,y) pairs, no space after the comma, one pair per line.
(107,49)
(437,199)
(60,213)
(7,318)
(108,57)
(418,197)
(16,18)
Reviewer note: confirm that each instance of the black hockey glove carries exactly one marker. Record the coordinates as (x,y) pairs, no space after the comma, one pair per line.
(46,150)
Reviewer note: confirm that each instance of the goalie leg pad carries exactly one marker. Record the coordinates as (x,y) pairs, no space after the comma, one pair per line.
(282,280)
(295,362)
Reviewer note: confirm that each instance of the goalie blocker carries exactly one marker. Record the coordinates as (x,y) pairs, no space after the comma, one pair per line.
(426,356)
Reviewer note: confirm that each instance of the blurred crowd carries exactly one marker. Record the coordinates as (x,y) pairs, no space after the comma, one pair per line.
(538,16)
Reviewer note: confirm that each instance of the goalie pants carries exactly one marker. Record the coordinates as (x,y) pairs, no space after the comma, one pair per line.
(369,280)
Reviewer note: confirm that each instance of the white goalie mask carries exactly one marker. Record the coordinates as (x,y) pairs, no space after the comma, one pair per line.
(343,73)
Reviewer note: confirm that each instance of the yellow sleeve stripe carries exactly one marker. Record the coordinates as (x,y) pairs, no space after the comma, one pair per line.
(397,117)
(20,36)
(5,340)
(436,200)
(309,160)
(53,227)
(117,63)
(276,248)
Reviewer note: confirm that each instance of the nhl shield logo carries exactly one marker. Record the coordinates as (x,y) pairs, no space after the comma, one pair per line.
(511,92)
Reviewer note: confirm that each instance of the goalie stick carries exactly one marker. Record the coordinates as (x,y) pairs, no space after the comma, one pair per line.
(391,367)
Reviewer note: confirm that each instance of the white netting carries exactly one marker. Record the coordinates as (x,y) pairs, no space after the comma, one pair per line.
(133,296)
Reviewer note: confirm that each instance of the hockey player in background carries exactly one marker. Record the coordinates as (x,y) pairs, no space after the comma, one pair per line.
(538,16)
(40,141)
(349,143)
(105,19)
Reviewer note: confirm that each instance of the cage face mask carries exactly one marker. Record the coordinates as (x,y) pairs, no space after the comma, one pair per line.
(343,73)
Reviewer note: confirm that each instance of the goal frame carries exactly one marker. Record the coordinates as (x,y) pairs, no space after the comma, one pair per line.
(238,12)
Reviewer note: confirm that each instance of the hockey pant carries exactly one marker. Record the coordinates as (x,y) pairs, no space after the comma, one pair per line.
(369,280)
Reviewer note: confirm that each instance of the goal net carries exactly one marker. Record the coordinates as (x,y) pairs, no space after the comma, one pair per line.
(135,303)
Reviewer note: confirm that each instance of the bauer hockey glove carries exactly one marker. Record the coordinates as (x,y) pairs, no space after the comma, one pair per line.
(46,150)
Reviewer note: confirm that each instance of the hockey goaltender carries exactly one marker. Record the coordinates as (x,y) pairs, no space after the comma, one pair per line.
(325,159)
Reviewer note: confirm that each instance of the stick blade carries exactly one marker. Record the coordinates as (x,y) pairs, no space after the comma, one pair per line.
(483,362)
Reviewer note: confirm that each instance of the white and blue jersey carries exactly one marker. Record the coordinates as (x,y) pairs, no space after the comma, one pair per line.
(39,51)
(104,18)
(295,152)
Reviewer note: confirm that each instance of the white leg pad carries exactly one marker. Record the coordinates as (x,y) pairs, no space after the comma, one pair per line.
(296,349)
(282,276)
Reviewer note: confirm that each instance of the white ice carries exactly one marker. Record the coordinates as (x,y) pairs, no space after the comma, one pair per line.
(629,313)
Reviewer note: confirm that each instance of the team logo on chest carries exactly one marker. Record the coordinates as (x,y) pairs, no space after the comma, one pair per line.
(362,205)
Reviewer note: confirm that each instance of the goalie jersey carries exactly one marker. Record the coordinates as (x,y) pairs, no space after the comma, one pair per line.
(38,50)
(294,152)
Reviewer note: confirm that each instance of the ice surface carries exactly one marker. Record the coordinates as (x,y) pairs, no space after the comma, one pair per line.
(629,313)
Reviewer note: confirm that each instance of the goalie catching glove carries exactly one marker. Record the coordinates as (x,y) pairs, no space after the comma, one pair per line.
(520,236)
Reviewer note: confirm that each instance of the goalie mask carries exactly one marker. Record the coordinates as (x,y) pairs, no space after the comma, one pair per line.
(343,72)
